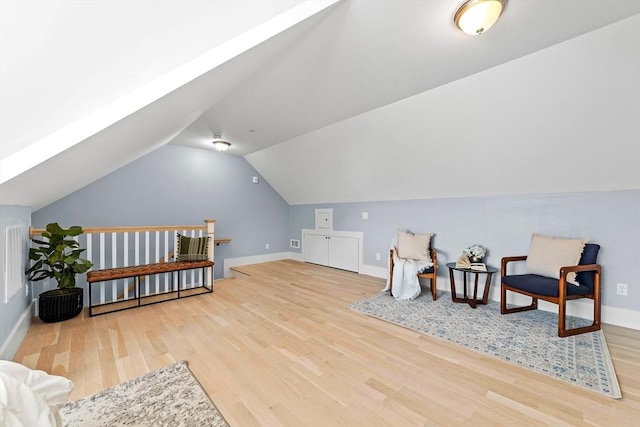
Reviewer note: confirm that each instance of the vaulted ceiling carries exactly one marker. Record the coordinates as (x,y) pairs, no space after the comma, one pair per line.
(87,88)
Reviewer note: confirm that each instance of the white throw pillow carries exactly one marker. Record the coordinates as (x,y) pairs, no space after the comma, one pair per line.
(414,246)
(29,397)
(548,254)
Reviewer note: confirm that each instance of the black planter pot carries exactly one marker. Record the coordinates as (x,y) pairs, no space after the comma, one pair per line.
(60,304)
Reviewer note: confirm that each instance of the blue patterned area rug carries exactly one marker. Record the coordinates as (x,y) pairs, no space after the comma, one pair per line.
(528,339)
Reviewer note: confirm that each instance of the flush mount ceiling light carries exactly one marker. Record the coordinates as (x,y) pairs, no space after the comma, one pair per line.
(219,144)
(475,17)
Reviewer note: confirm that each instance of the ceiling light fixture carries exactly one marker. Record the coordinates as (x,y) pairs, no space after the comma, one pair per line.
(475,17)
(219,144)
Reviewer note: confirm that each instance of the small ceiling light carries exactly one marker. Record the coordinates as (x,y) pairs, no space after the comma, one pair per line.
(475,17)
(219,144)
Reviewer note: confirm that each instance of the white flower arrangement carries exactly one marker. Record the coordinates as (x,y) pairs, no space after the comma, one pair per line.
(476,251)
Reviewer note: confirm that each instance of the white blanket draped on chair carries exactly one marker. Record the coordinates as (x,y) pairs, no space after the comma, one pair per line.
(406,284)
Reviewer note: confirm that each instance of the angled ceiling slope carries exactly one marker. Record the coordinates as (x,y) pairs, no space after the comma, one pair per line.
(287,81)
(531,125)
(135,123)
(367,54)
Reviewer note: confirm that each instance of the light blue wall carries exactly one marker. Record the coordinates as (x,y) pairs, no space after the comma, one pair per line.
(11,312)
(176,185)
(503,225)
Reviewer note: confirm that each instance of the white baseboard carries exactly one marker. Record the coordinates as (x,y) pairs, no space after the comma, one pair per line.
(297,256)
(620,317)
(579,308)
(10,346)
(372,270)
(584,309)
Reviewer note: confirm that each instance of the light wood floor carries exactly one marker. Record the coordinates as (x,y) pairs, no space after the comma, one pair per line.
(280,348)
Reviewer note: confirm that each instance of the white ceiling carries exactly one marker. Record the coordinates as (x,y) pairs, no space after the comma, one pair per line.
(348,59)
(564,119)
(62,60)
(364,54)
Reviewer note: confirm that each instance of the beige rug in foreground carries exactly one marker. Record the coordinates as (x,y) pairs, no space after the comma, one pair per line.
(170,396)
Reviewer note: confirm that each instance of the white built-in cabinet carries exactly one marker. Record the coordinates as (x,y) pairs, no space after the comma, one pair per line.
(338,249)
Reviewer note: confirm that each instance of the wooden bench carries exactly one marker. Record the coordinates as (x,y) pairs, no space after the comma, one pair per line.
(138,271)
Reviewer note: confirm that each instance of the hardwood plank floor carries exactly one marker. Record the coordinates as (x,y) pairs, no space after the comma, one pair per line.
(279,347)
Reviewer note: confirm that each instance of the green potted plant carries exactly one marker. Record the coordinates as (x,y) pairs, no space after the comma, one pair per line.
(58,257)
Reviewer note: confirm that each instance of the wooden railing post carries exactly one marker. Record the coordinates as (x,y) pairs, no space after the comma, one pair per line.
(211,234)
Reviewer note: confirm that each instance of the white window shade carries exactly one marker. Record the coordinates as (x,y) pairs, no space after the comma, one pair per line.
(15,261)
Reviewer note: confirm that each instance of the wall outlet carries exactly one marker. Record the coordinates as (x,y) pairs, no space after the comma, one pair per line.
(256,180)
(378,256)
(294,243)
(622,289)
(365,215)
(266,246)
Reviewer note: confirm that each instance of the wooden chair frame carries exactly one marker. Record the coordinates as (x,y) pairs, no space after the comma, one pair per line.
(432,276)
(560,300)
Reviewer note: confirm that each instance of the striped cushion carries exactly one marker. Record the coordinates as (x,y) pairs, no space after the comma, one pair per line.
(192,248)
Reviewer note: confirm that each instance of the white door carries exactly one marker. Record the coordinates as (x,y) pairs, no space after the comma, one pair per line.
(315,249)
(344,253)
